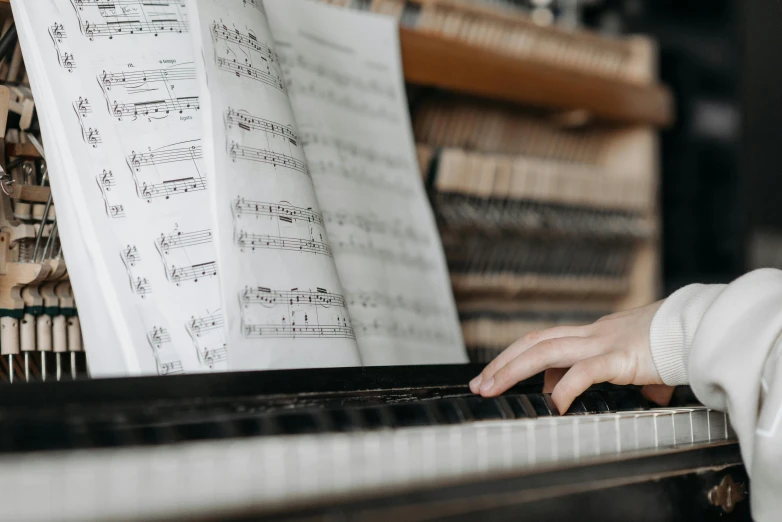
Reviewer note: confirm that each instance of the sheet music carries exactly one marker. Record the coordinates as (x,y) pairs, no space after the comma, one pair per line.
(91,300)
(284,305)
(121,85)
(344,78)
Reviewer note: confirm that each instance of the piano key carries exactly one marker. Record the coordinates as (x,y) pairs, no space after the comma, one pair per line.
(194,478)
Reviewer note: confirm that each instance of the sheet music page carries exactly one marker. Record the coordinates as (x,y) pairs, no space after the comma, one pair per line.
(284,304)
(91,300)
(344,77)
(123,88)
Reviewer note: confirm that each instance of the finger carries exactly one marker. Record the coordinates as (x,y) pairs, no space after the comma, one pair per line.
(562,352)
(582,375)
(520,346)
(552,377)
(659,394)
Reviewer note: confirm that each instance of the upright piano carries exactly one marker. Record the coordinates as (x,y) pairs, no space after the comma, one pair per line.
(384,443)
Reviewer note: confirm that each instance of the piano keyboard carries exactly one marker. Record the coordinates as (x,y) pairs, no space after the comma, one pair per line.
(213,444)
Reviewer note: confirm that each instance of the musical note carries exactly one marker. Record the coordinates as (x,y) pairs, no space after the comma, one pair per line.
(130,17)
(135,79)
(180,274)
(241,152)
(137,161)
(157,108)
(342,80)
(258,4)
(343,100)
(267,297)
(243,207)
(256,331)
(170,188)
(252,242)
(202,325)
(374,226)
(382,254)
(248,71)
(354,175)
(168,242)
(245,121)
(384,302)
(236,52)
(401,331)
(349,150)
(293,313)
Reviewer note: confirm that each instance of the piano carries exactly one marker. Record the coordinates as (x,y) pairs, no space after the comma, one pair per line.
(375,443)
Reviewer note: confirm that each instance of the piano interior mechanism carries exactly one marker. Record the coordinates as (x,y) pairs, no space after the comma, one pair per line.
(402,443)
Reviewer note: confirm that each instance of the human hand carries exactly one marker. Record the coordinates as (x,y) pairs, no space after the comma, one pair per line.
(614,349)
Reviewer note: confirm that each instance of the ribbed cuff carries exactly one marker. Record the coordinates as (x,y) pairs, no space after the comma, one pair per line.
(673,329)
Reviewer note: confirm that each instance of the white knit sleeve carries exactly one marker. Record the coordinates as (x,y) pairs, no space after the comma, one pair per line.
(673,328)
(727,342)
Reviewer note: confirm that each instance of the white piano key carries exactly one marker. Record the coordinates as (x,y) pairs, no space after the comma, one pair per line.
(717,425)
(190,479)
(608,438)
(682,428)
(663,423)
(700,425)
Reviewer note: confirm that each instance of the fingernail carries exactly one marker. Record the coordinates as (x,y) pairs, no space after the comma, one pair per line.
(475,383)
(487,385)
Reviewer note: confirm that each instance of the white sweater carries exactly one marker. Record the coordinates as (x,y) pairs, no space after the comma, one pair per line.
(724,341)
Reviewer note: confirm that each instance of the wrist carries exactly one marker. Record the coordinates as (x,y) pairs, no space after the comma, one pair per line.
(673,328)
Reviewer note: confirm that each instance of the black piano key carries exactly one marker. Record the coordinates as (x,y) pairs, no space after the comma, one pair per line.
(155,434)
(296,423)
(345,419)
(521,406)
(485,408)
(579,407)
(411,414)
(543,404)
(602,400)
(629,400)
(41,437)
(214,429)
(376,417)
(589,403)
(448,411)
(248,427)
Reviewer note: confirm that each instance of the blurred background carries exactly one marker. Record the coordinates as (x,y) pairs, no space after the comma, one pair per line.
(587,156)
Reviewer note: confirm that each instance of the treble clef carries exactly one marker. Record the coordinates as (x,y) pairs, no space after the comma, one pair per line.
(89,31)
(141,289)
(106,179)
(57,31)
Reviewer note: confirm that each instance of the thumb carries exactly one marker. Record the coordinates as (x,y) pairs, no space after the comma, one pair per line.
(659,394)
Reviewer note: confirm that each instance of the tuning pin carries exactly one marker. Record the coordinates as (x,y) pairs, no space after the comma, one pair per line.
(58,366)
(43,366)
